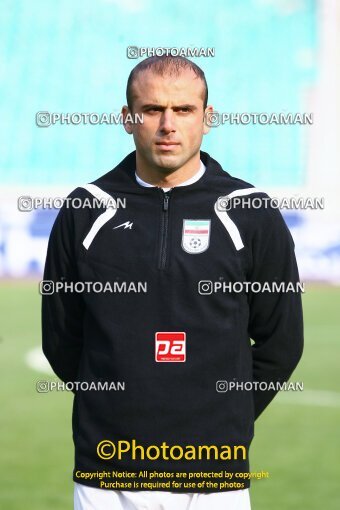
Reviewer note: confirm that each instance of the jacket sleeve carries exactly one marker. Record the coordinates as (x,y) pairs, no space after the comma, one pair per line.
(62,311)
(275,320)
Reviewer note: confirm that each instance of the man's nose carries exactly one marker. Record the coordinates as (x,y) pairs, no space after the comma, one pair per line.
(167,123)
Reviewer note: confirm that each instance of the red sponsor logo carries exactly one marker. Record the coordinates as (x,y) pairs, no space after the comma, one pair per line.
(170,346)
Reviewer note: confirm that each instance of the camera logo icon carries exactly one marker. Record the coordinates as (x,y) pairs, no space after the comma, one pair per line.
(132,52)
(222,386)
(205,287)
(25,203)
(212,119)
(43,119)
(46,287)
(224,204)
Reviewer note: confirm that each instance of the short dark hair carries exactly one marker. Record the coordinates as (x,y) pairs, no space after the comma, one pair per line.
(165,65)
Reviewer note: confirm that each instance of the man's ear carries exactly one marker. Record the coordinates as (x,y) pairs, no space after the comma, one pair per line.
(127,124)
(207,119)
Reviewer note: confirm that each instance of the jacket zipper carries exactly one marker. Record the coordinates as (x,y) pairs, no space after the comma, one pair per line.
(164,229)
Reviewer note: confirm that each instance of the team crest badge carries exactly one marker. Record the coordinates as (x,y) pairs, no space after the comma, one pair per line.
(196,235)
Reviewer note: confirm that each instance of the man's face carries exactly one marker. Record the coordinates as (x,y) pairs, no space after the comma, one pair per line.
(173,112)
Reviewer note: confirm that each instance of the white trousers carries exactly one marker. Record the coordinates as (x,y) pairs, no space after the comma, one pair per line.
(90,498)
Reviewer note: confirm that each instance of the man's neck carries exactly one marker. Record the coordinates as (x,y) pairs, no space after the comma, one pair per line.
(192,180)
(158,178)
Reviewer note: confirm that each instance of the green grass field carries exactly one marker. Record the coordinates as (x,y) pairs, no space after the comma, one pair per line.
(297,439)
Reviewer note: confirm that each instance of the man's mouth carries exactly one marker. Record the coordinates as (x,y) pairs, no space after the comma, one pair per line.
(166,145)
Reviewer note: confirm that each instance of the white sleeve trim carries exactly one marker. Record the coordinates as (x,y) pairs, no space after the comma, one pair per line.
(228,223)
(104,217)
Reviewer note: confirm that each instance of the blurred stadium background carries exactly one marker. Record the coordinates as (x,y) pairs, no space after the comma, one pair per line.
(271,56)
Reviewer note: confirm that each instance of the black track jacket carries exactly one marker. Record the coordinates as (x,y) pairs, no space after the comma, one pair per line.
(178,341)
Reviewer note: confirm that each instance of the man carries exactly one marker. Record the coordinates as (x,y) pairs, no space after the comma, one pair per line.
(175,438)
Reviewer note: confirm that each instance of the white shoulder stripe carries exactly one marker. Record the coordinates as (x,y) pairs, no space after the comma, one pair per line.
(104,217)
(226,220)
(97,192)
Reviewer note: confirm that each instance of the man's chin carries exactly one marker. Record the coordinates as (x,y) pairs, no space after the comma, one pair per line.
(168,161)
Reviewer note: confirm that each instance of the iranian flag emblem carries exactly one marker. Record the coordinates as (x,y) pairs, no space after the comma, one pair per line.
(196,235)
